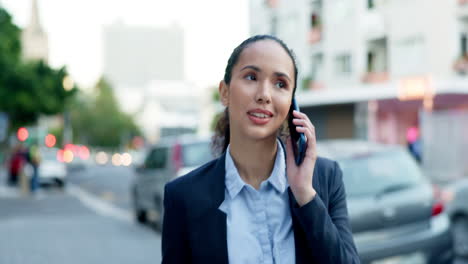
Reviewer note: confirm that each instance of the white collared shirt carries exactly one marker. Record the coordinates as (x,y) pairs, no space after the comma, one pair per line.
(259,223)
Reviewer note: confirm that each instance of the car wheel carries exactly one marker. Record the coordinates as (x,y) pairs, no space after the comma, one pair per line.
(60,183)
(460,237)
(140,215)
(159,206)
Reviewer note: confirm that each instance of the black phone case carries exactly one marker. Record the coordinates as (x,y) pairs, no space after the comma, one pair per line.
(299,144)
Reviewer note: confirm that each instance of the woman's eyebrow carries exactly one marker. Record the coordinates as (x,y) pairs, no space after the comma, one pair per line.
(280,74)
(257,69)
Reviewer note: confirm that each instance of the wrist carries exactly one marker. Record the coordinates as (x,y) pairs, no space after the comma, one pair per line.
(304,196)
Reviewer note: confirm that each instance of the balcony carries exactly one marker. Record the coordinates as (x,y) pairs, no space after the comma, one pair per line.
(374,24)
(375,77)
(461,65)
(315,35)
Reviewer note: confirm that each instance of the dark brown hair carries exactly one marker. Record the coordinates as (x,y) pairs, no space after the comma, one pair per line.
(220,140)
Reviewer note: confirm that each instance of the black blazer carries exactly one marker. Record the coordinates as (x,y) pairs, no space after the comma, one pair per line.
(194,229)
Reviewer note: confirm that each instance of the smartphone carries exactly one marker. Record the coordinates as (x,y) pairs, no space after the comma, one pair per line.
(299,142)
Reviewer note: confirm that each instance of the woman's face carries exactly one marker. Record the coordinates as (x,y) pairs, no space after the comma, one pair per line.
(260,92)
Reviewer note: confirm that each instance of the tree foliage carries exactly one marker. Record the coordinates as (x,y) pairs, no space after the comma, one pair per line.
(27,89)
(97,119)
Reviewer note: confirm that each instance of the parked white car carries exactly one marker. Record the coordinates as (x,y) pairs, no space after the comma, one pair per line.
(51,170)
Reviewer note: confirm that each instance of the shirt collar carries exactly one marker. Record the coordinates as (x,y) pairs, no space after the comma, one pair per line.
(234,183)
(278,176)
(277,179)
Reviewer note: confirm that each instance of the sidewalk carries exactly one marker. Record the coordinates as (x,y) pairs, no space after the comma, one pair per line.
(7,191)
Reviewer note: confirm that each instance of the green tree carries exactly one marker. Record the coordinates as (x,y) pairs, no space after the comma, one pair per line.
(97,120)
(10,45)
(27,89)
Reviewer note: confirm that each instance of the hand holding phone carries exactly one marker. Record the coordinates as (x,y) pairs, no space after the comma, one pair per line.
(299,142)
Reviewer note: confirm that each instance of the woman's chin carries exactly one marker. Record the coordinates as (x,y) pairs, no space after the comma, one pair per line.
(260,133)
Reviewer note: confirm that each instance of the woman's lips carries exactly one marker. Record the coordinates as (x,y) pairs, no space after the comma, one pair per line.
(258,120)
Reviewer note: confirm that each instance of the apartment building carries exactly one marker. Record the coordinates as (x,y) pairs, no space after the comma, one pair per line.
(370,67)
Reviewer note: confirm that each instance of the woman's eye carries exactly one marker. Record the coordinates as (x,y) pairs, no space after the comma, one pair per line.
(281,84)
(250,77)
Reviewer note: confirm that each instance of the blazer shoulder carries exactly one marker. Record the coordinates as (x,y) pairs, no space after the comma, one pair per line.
(325,166)
(327,172)
(187,181)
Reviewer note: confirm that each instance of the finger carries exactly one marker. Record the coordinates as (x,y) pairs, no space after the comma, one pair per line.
(311,141)
(304,123)
(302,116)
(289,152)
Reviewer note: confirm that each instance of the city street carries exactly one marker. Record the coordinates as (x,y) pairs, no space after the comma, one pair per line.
(109,183)
(89,222)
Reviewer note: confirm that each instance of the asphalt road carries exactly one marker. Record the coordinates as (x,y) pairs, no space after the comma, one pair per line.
(75,225)
(108,182)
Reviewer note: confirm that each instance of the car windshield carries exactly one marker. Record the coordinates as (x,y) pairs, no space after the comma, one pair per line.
(196,154)
(372,175)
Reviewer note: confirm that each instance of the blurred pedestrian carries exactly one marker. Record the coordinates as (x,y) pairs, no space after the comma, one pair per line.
(254,204)
(16,163)
(414,144)
(34,160)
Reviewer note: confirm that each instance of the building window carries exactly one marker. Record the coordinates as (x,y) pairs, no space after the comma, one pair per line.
(343,64)
(316,67)
(314,21)
(370,61)
(463,43)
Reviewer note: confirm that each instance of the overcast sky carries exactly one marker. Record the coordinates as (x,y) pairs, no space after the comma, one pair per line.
(74,27)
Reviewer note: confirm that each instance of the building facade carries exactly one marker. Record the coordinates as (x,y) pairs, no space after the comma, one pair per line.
(137,55)
(369,67)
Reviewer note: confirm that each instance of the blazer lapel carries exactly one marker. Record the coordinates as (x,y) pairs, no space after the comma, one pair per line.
(209,223)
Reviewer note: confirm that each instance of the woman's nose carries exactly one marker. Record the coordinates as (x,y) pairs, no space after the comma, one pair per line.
(263,94)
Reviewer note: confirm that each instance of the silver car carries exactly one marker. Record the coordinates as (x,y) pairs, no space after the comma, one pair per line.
(454,193)
(394,213)
(168,159)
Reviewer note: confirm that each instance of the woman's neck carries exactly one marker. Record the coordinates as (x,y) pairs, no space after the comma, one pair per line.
(254,160)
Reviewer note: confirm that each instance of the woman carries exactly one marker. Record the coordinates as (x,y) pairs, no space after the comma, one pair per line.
(254,204)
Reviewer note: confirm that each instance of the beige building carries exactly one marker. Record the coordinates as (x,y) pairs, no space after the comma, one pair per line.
(136,55)
(34,40)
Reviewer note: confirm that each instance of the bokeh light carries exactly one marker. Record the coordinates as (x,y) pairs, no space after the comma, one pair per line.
(22,134)
(68,156)
(68,83)
(84,153)
(101,158)
(126,159)
(60,155)
(117,159)
(50,140)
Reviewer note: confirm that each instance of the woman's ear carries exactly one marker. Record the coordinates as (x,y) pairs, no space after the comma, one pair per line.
(224,93)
